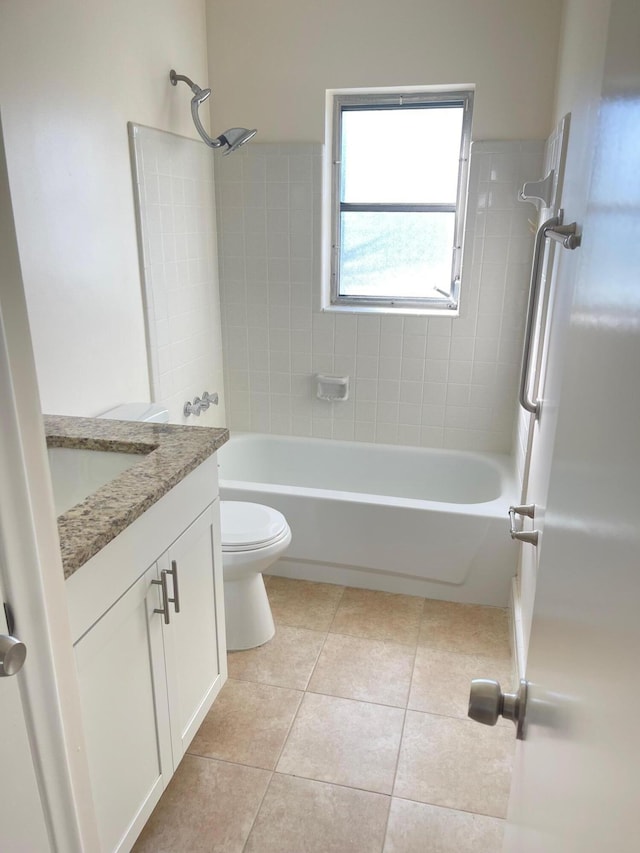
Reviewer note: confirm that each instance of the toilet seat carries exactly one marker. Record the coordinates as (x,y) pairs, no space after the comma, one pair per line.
(250,526)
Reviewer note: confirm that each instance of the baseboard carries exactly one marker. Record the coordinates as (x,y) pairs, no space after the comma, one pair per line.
(517,633)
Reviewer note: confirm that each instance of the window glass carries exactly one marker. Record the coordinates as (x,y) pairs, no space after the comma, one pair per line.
(400,165)
(401,155)
(396,254)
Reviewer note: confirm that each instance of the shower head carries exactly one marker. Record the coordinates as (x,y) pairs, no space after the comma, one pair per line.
(232,138)
(235,137)
(202,96)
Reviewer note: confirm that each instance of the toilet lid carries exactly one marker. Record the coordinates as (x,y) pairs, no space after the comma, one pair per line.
(249,524)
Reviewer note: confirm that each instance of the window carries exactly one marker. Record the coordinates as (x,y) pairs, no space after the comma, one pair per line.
(398,189)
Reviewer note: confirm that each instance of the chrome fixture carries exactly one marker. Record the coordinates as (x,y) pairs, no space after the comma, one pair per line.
(487,702)
(231,139)
(529,536)
(173,571)
(208,399)
(12,655)
(200,404)
(568,237)
(194,408)
(162,583)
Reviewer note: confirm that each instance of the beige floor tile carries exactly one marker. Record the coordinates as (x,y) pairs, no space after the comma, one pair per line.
(208,807)
(343,741)
(441,680)
(285,661)
(465,628)
(455,763)
(370,670)
(247,724)
(303,604)
(379,616)
(300,815)
(418,828)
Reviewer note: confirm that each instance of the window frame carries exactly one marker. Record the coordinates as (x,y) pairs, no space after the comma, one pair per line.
(341,101)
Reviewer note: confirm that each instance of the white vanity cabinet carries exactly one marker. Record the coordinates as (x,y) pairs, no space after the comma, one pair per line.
(145,683)
(191,647)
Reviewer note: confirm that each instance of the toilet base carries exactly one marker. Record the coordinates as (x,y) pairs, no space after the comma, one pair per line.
(247,613)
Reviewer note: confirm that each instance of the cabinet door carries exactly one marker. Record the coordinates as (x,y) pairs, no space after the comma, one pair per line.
(124,701)
(195,647)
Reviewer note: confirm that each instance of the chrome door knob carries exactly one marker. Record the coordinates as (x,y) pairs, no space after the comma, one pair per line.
(12,655)
(487,703)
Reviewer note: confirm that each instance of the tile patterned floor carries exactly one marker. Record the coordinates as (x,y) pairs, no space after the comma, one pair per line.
(347,733)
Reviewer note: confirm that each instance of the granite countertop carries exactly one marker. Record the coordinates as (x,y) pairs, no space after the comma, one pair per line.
(171,452)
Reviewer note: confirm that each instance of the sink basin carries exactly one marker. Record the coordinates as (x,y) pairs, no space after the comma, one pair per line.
(76,472)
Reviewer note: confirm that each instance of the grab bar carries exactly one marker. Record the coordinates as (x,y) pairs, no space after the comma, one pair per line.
(529,405)
(568,237)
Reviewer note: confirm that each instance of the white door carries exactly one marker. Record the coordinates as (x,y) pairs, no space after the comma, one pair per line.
(575,784)
(22,823)
(42,717)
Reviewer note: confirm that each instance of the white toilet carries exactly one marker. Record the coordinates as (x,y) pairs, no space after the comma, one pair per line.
(253,538)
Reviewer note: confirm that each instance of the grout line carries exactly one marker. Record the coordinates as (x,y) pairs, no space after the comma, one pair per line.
(411,646)
(404,721)
(255,817)
(449,808)
(336,784)
(335,612)
(313,669)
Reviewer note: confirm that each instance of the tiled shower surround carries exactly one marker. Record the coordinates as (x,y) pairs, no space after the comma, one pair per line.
(173,187)
(422,381)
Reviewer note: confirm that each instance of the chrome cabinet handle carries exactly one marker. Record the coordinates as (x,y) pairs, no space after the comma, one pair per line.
(162,583)
(173,571)
(487,702)
(12,655)
(528,536)
(526,402)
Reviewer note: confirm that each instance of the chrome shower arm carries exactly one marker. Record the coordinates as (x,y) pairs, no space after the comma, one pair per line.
(212,143)
(180,78)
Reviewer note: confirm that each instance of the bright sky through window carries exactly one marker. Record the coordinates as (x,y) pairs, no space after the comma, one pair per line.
(400,164)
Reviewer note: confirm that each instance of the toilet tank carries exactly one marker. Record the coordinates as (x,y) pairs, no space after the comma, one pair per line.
(151,412)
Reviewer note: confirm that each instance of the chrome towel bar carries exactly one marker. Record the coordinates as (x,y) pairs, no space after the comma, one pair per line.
(568,237)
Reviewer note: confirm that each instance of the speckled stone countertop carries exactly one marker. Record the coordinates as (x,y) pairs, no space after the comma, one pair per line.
(170,453)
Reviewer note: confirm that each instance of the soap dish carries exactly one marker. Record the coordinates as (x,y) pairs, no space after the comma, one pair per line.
(332,388)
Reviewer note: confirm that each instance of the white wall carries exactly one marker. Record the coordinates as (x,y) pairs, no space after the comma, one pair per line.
(272,61)
(71,74)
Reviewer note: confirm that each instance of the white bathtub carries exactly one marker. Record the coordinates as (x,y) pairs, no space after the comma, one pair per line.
(398,519)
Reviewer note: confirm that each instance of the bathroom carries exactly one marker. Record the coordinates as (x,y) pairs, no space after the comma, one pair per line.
(75,74)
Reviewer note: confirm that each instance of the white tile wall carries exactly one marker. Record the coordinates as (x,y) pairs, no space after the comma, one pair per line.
(173,185)
(435,381)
